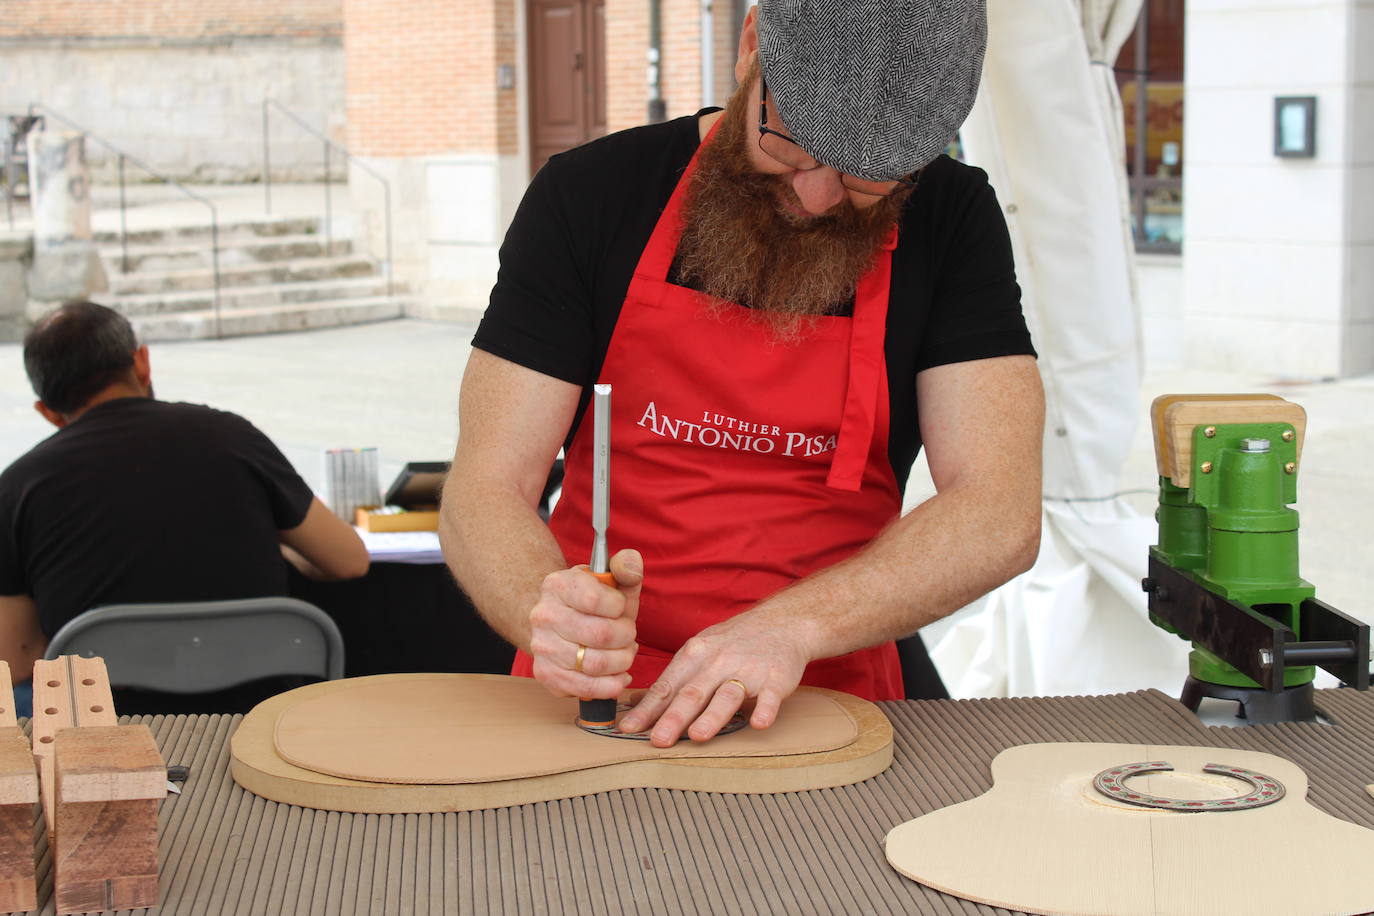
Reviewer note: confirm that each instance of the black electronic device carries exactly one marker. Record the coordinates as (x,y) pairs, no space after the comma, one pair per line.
(417,485)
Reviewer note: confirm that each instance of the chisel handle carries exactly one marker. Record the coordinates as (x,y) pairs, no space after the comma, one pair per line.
(598,713)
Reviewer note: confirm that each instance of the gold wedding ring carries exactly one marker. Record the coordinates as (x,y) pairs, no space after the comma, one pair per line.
(735,680)
(581,655)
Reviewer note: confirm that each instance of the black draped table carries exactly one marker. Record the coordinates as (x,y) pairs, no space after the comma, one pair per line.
(406,617)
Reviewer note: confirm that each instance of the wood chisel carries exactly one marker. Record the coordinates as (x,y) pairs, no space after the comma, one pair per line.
(598,713)
(594,715)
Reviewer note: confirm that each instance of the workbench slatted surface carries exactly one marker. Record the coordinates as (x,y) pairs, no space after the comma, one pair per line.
(225,851)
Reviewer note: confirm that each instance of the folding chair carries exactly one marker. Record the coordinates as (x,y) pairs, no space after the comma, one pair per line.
(198,647)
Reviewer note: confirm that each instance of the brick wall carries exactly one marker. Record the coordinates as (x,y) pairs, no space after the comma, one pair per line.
(170,19)
(504,52)
(682,56)
(627,43)
(422,76)
(726,49)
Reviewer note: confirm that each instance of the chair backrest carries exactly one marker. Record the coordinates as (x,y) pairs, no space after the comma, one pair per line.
(197,647)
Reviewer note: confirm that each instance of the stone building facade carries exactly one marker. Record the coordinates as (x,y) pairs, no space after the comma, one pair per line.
(1275,271)
(179,84)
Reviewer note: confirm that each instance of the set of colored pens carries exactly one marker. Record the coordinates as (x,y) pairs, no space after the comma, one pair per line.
(350,480)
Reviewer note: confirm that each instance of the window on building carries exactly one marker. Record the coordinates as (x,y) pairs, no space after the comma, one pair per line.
(1150,67)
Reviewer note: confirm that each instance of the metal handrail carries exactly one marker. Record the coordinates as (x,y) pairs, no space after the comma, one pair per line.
(329,144)
(35,107)
(8,170)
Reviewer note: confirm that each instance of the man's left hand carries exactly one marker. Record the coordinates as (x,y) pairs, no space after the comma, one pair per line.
(716,673)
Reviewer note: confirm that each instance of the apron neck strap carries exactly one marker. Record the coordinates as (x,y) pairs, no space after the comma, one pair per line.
(867,371)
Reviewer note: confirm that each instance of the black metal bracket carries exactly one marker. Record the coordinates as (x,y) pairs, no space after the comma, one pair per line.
(1244,638)
(1320,621)
(1257,645)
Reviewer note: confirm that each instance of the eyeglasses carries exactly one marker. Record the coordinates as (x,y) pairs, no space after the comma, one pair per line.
(788,152)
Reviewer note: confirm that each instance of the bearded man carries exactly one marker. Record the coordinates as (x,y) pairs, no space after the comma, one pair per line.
(789,297)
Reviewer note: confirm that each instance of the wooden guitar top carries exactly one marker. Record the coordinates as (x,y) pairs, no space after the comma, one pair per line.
(452,742)
(1045,840)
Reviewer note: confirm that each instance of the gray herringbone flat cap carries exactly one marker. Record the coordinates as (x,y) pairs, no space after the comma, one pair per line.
(874,88)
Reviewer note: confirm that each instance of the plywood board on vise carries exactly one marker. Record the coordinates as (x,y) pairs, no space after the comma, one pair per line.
(778,759)
(1182,417)
(1164,459)
(1044,840)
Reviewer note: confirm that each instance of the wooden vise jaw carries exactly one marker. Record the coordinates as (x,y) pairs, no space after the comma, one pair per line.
(1173,418)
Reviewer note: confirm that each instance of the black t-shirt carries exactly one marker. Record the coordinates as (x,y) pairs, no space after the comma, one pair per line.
(568,256)
(140,501)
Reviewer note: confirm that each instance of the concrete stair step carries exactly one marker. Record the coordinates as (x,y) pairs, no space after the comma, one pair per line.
(254,274)
(240,297)
(184,256)
(273,319)
(235,230)
(459,314)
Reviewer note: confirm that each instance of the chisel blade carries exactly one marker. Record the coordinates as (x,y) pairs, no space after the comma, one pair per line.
(601,476)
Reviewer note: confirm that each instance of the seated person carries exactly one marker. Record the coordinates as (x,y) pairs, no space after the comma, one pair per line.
(136,500)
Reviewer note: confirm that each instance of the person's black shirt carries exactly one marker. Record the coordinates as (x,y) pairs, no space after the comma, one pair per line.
(568,256)
(140,501)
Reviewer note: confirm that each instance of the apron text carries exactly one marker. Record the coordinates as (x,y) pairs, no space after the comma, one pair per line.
(720,431)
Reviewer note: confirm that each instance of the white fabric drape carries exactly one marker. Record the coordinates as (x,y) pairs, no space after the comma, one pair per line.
(1048,129)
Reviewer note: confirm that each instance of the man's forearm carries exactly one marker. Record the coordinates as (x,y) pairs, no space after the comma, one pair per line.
(308,569)
(499,550)
(982,527)
(22,641)
(513,422)
(950,550)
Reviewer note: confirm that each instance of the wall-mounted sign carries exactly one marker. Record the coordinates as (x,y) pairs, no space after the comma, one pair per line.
(1295,126)
(463,206)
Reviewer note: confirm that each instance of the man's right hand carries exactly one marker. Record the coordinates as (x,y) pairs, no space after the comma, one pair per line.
(576,611)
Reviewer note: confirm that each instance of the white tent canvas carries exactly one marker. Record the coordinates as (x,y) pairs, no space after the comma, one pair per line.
(1047,128)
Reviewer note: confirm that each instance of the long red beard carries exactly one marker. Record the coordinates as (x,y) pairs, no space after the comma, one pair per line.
(740,244)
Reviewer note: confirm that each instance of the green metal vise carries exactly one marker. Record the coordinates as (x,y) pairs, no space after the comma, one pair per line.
(1224,574)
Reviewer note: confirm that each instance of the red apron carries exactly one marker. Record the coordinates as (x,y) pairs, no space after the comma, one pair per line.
(738,464)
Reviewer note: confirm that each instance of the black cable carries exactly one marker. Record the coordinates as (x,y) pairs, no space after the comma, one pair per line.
(1096,499)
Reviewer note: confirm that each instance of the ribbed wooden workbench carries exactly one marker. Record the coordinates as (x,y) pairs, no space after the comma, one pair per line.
(226,851)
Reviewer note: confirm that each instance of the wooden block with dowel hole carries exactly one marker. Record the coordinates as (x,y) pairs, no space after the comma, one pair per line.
(18,796)
(102,783)
(1175,416)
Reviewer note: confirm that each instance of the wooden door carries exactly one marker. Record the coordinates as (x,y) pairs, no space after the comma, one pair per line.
(567,63)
